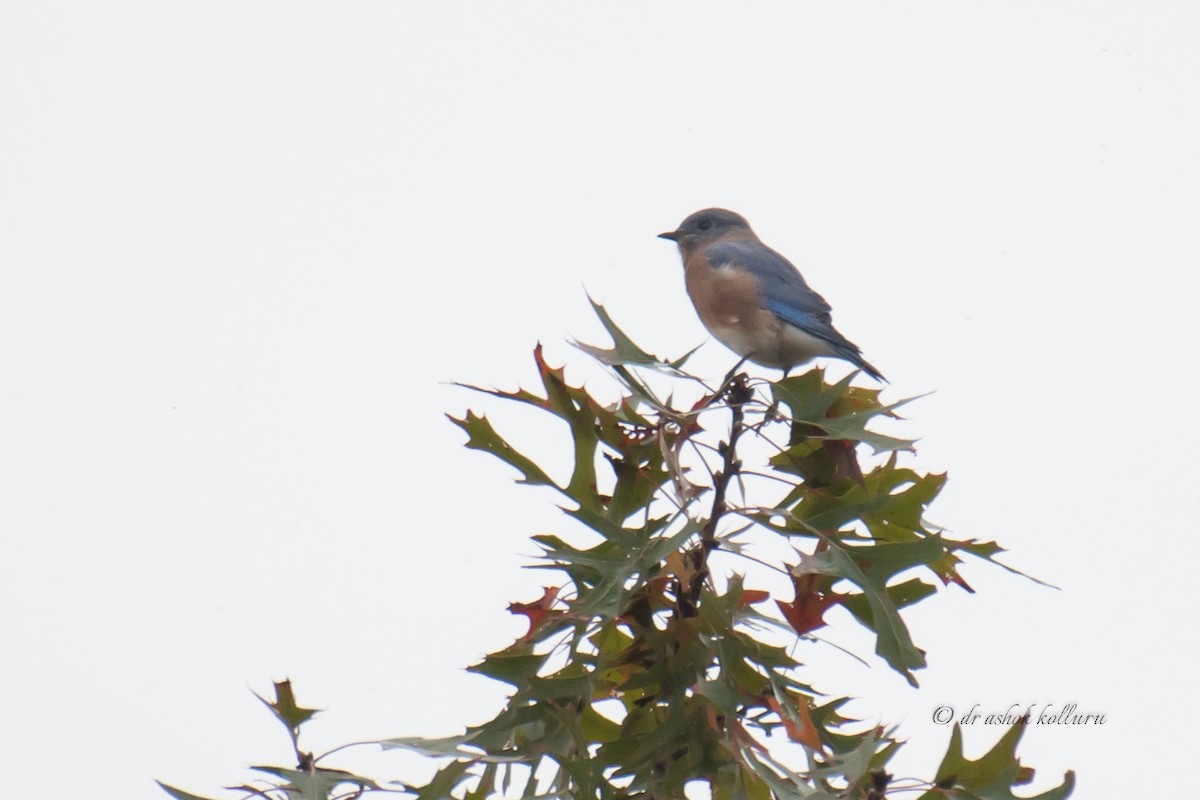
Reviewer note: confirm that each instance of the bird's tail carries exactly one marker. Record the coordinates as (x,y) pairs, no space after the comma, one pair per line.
(855,358)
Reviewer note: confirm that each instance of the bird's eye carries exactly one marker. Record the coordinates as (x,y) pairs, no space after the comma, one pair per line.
(705,225)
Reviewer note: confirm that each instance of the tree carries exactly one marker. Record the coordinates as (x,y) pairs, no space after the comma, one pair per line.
(649,665)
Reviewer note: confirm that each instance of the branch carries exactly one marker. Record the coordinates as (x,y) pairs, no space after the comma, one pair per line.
(737,393)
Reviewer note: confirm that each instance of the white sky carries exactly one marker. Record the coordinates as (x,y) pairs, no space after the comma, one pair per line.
(244,246)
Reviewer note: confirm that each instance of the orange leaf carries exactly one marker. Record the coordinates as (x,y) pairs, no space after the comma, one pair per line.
(800,730)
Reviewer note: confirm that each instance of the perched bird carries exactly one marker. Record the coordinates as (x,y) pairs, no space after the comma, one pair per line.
(752,299)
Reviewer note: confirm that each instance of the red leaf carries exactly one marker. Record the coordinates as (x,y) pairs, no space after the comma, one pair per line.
(537,611)
(751,596)
(806,613)
(845,462)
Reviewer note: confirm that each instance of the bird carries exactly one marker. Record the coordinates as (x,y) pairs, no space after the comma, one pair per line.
(753,300)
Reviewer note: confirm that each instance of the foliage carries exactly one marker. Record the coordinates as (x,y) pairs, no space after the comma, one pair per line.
(644,669)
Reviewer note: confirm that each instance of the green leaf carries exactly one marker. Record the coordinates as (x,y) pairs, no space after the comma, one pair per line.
(485,788)
(450,746)
(890,501)
(482,436)
(624,350)
(316,784)
(618,579)
(179,794)
(740,784)
(823,510)
(807,395)
(836,411)
(610,529)
(851,765)
(514,667)
(988,551)
(636,458)
(639,476)
(870,567)
(992,776)
(901,595)
(559,687)
(285,709)
(721,694)
(597,728)
(445,781)
(585,416)
(785,784)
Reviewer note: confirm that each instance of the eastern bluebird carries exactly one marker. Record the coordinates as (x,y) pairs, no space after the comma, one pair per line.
(752,299)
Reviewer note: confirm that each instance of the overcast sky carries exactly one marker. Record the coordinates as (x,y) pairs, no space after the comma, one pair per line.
(244,247)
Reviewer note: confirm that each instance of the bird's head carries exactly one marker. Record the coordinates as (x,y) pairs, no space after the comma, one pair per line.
(707,226)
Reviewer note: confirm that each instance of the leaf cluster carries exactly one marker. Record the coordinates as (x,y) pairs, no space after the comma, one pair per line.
(644,669)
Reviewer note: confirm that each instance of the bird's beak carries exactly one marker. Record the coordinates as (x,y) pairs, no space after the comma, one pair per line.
(672,235)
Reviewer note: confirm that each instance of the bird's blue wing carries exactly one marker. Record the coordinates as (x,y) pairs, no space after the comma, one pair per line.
(784,292)
(783,289)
